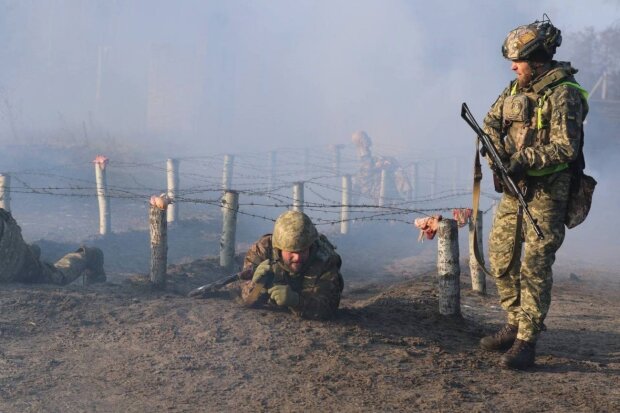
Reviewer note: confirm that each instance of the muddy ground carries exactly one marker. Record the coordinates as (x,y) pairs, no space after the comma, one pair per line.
(122,347)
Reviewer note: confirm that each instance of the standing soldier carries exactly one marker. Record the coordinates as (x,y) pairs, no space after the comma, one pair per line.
(368,179)
(536,125)
(19,262)
(295,268)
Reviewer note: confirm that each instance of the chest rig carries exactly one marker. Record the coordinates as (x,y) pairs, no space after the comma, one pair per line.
(526,115)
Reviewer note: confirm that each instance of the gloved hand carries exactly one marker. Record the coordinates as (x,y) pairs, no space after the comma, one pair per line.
(284,295)
(261,272)
(516,169)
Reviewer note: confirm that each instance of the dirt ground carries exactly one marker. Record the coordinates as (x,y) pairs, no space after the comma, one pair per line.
(121,346)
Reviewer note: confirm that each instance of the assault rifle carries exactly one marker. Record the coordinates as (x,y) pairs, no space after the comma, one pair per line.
(201,292)
(498,166)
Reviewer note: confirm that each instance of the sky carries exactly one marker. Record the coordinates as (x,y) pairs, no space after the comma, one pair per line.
(221,76)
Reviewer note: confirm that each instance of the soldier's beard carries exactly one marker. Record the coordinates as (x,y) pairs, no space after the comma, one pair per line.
(524,79)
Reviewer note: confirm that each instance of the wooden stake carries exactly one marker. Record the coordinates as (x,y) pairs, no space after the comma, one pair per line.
(5,192)
(230,206)
(448,269)
(105,224)
(478,281)
(159,240)
(346,202)
(172,169)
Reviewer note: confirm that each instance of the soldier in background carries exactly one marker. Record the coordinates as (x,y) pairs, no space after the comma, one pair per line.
(20,262)
(368,179)
(295,268)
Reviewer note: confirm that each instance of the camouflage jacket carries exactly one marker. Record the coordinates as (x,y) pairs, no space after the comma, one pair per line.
(319,284)
(17,261)
(541,124)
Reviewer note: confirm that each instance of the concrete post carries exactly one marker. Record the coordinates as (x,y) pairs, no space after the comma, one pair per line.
(448,270)
(346,202)
(230,206)
(105,224)
(478,282)
(298,196)
(172,174)
(159,240)
(5,192)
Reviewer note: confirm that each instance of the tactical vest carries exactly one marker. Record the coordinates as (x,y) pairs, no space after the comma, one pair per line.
(526,115)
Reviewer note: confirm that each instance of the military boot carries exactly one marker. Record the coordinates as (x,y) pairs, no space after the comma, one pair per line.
(501,340)
(94,272)
(520,356)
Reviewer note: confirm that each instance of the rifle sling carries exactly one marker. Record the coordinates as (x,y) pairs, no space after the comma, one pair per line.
(475,204)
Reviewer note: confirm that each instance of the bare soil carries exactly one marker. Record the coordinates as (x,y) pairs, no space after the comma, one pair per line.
(123,347)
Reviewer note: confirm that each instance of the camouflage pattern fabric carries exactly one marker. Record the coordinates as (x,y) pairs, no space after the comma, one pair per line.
(525,293)
(368,179)
(319,284)
(20,262)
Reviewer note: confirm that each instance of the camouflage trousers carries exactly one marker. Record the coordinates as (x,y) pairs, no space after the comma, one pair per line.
(525,292)
(21,262)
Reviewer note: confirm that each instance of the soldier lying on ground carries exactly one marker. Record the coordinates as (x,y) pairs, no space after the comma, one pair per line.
(296,267)
(20,262)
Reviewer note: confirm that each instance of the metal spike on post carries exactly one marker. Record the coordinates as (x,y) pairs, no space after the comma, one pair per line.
(230,206)
(448,269)
(102,189)
(298,196)
(227,172)
(159,240)
(382,187)
(5,191)
(346,202)
(478,281)
(172,170)
(272,176)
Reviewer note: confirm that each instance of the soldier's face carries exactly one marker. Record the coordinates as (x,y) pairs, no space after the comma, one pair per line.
(295,260)
(523,71)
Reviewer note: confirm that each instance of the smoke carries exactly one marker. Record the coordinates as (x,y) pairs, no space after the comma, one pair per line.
(192,76)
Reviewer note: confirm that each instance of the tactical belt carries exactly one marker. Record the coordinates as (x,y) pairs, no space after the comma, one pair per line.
(475,204)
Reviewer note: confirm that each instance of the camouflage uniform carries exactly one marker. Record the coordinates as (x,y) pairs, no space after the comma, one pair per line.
(19,262)
(542,126)
(319,284)
(368,178)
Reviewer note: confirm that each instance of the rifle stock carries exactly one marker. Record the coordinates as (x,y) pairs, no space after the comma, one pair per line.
(498,167)
(202,291)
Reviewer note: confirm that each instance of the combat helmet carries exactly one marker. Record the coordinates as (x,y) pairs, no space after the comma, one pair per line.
(533,42)
(293,231)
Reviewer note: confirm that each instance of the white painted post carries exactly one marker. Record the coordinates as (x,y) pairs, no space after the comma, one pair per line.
(159,240)
(105,224)
(5,191)
(478,282)
(227,172)
(448,269)
(298,196)
(382,187)
(230,206)
(172,169)
(346,202)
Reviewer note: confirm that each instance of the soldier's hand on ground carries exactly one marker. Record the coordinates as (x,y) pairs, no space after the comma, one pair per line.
(261,272)
(284,295)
